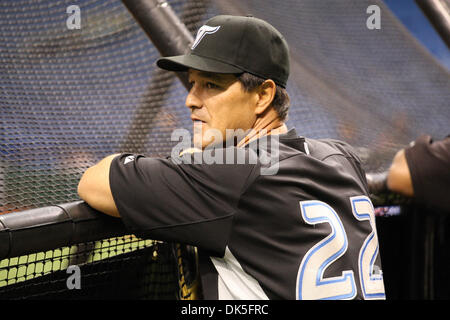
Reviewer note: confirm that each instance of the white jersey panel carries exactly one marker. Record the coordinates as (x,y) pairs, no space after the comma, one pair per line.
(233,282)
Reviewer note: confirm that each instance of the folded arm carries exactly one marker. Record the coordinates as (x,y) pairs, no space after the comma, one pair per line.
(94,187)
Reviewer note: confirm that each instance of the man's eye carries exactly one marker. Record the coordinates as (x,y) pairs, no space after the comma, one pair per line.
(211,85)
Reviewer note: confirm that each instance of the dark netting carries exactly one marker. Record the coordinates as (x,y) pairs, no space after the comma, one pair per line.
(70,97)
(376,89)
(116,268)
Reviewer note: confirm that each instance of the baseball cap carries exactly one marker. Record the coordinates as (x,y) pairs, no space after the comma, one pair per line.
(235,44)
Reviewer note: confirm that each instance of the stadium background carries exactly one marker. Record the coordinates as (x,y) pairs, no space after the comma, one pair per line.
(70,97)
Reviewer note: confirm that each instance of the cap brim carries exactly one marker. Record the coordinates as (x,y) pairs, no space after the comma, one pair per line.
(190,61)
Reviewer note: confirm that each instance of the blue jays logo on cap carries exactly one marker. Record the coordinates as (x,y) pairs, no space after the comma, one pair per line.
(244,44)
(202,32)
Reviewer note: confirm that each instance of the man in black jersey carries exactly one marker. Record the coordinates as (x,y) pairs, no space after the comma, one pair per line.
(274,215)
(422,171)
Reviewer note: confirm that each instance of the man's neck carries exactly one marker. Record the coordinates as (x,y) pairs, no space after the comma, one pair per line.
(262,128)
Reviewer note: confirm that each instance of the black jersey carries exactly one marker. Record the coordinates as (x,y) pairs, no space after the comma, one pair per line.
(429,166)
(305,230)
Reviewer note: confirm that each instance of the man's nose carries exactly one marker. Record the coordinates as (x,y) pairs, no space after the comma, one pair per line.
(192,100)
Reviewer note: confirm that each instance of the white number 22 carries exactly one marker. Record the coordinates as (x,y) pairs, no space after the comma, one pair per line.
(311,283)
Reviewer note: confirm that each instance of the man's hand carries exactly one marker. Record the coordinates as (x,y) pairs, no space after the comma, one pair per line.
(95,190)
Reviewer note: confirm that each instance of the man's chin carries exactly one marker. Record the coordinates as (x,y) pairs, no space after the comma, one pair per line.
(203,143)
(204,136)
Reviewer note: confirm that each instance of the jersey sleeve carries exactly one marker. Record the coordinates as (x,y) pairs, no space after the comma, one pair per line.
(429,166)
(187,203)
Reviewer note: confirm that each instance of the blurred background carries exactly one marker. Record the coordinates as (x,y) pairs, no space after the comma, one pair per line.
(68,97)
(414,19)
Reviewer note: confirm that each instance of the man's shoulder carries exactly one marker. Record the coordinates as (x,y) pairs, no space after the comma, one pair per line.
(319,149)
(323,149)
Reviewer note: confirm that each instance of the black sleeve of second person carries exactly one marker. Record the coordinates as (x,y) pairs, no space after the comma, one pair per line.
(429,165)
(186,203)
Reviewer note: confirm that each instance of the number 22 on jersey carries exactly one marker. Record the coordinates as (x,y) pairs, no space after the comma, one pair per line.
(311,283)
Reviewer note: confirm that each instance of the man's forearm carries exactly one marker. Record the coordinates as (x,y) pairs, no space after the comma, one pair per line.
(94,187)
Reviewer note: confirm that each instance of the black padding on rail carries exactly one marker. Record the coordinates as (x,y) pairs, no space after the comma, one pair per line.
(52,227)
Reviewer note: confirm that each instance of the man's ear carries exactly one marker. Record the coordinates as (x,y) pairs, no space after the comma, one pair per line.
(266,94)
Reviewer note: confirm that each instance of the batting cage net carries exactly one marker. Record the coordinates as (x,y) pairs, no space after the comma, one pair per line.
(71,96)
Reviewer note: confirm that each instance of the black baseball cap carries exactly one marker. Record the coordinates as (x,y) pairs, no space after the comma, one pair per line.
(236,44)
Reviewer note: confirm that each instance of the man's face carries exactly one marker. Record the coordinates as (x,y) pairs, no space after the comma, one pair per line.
(218,102)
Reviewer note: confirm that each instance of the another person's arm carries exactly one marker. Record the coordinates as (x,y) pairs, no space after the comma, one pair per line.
(422,171)
(399,176)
